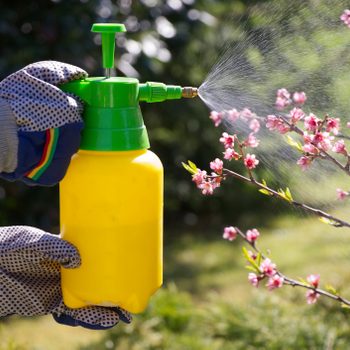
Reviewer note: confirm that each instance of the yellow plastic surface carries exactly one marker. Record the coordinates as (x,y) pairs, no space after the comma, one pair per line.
(111,209)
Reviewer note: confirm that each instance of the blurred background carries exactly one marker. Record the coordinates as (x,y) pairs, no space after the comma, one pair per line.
(206,302)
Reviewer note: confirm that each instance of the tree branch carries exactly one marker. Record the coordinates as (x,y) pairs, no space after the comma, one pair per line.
(335,221)
(292,282)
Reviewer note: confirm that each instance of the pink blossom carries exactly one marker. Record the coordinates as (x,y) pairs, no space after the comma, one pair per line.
(304,162)
(250,161)
(311,122)
(247,113)
(267,267)
(251,141)
(252,254)
(230,153)
(254,125)
(232,115)
(199,176)
(339,147)
(272,122)
(313,280)
(253,279)
(307,137)
(312,296)
(281,103)
(217,165)
(333,125)
(283,93)
(283,99)
(296,114)
(252,235)
(323,140)
(309,148)
(276,123)
(230,233)
(274,282)
(348,124)
(206,187)
(345,17)
(216,117)
(227,140)
(341,195)
(283,128)
(216,180)
(299,97)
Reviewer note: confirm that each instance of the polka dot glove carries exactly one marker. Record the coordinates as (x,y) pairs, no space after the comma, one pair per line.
(30,261)
(40,125)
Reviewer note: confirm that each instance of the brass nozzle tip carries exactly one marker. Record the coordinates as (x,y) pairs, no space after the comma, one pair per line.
(189,92)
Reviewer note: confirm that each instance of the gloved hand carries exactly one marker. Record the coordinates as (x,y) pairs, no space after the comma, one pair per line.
(30,263)
(40,129)
(40,125)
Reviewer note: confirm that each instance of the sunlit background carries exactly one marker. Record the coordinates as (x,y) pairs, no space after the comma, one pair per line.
(206,302)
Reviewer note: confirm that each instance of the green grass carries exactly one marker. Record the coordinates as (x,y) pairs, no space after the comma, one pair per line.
(207,303)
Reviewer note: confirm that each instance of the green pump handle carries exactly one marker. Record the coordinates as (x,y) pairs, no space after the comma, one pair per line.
(108,31)
(112,115)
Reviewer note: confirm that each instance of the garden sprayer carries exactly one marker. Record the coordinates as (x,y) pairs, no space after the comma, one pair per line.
(111,199)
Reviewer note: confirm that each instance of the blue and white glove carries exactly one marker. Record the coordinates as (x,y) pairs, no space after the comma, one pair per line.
(40,129)
(30,283)
(40,125)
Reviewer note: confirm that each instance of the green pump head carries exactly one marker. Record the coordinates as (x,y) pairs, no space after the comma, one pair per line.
(112,116)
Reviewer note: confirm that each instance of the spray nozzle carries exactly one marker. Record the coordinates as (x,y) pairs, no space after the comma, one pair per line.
(189,92)
(158,92)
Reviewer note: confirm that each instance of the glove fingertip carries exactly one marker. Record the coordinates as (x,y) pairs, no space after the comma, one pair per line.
(72,257)
(70,321)
(124,315)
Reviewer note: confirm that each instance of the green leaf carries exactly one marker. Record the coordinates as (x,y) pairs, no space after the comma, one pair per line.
(193,166)
(265,192)
(188,168)
(344,306)
(262,190)
(252,268)
(327,221)
(281,193)
(294,144)
(329,288)
(245,253)
(300,279)
(250,259)
(258,259)
(288,195)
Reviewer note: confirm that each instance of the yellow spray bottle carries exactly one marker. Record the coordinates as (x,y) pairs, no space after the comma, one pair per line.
(111,199)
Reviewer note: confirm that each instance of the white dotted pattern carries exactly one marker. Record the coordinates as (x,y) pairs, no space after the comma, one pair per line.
(35,98)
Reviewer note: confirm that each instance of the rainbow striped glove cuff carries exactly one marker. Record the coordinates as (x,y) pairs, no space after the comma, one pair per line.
(40,124)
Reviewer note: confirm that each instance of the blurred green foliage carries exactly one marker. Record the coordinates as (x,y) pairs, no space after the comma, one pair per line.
(175,323)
